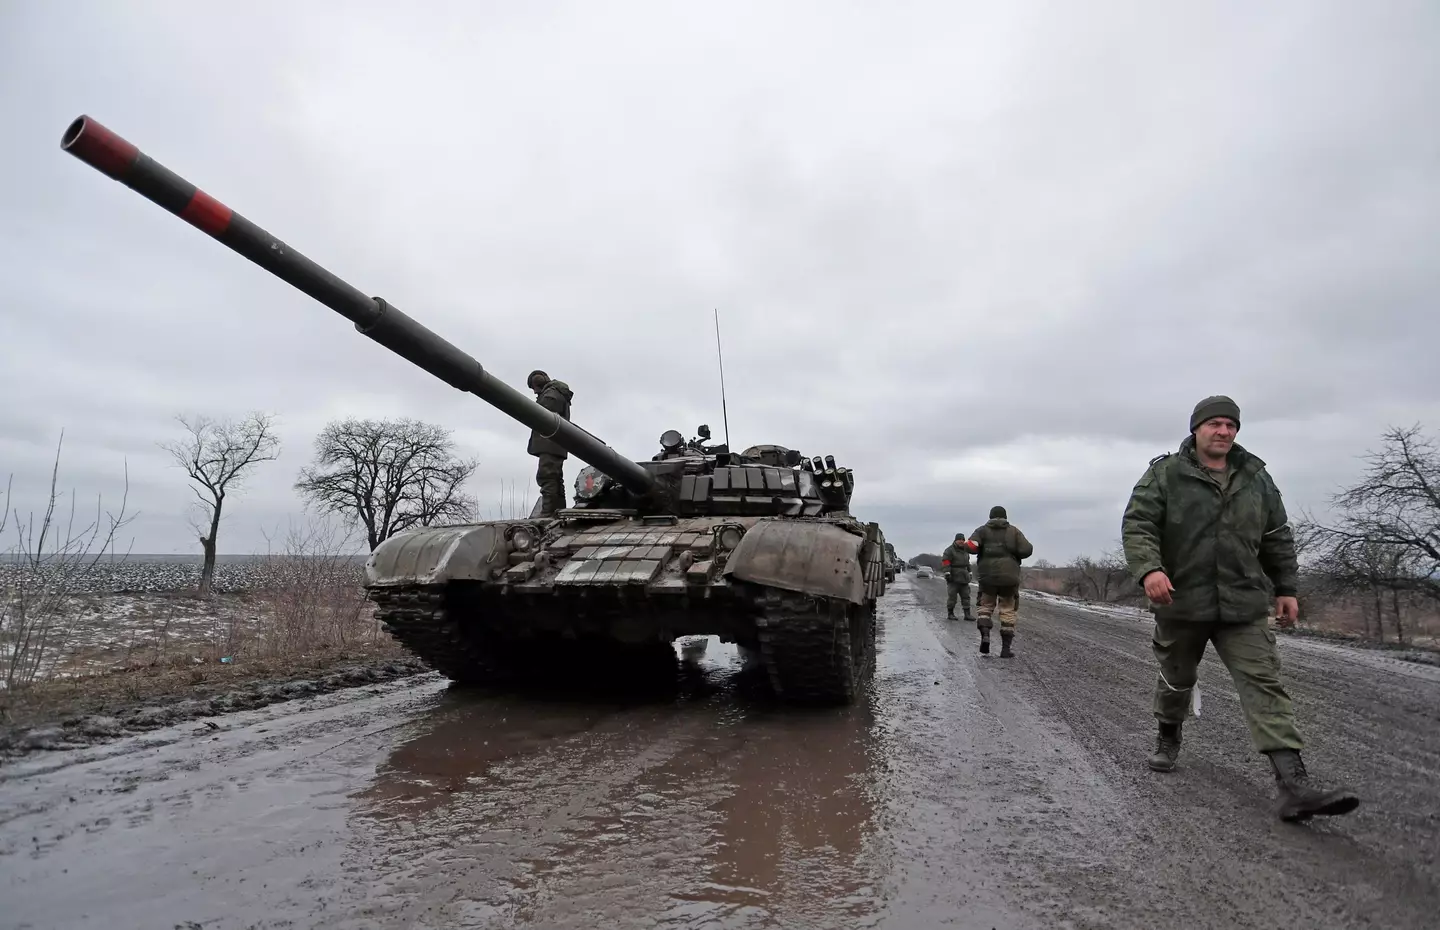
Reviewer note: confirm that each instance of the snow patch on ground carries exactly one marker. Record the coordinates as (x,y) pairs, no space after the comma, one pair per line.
(1074,603)
(99,632)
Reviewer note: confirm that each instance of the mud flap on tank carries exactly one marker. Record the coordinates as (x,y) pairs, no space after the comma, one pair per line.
(438,554)
(809,558)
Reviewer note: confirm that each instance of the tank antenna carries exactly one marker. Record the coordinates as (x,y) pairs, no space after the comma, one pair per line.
(725,415)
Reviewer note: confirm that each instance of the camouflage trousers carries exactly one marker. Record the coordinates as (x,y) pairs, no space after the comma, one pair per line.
(958,590)
(1249,653)
(1005,599)
(550,476)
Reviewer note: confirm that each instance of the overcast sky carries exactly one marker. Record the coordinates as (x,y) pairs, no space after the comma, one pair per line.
(981,253)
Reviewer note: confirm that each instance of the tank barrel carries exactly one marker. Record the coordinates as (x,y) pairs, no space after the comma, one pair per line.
(112,155)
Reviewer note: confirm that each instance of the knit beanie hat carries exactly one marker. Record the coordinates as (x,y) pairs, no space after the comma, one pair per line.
(1217,406)
(997,511)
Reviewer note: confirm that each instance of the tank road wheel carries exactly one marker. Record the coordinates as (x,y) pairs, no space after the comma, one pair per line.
(816,650)
(421,619)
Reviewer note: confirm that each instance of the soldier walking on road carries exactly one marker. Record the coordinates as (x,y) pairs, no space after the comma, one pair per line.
(956,559)
(999,548)
(549,473)
(1207,536)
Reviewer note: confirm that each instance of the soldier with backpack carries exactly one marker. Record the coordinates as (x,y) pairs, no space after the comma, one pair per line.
(999,548)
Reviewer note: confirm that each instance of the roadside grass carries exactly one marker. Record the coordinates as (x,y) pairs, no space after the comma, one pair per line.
(307,614)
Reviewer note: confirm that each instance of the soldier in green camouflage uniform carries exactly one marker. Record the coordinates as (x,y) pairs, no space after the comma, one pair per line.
(956,559)
(550,472)
(1206,534)
(1000,547)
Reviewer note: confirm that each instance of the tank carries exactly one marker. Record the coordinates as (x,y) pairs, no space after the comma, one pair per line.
(758,547)
(892,563)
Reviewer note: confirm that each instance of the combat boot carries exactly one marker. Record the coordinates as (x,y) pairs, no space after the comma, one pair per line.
(1005,639)
(985,641)
(949,613)
(1167,747)
(1297,799)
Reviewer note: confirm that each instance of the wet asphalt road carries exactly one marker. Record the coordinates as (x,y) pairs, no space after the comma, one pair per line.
(966,791)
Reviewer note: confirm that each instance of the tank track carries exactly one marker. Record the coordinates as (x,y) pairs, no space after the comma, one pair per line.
(816,650)
(420,619)
(428,621)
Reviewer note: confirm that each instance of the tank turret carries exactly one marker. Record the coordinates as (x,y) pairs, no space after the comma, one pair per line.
(758,548)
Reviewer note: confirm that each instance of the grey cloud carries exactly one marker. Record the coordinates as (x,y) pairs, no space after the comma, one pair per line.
(931,232)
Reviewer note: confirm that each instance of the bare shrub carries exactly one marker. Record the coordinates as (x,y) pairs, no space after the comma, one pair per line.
(1048,579)
(1104,580)
(313,597)
(50,559)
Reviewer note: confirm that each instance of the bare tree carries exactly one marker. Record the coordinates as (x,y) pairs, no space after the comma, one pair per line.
(1377,575)
(1385,543)
(388,476)
(48,563)
(1397,504)
(218,455)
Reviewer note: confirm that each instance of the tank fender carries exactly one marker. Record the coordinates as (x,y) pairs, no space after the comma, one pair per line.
(809,558)
(438,554)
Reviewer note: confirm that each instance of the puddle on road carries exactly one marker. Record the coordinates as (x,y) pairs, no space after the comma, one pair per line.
(714,807)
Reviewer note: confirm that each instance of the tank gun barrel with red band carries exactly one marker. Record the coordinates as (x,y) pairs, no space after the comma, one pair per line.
(112,155)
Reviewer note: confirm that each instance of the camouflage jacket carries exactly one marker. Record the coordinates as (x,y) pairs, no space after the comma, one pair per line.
(556,396)
(1002,548)
(957,562)
(1227,553)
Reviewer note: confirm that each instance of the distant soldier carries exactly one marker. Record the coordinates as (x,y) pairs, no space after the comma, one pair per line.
(999,548)
(1207,536)
(956,559)
(549,473)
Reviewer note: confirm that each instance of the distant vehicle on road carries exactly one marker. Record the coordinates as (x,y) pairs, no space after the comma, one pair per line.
(924,571)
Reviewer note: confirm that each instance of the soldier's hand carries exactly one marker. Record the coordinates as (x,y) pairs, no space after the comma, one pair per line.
(1287,611)
(1158,587)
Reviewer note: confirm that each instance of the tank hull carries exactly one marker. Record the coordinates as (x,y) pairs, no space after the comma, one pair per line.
(488,603)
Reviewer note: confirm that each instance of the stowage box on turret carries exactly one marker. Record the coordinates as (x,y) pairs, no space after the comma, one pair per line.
(757,547)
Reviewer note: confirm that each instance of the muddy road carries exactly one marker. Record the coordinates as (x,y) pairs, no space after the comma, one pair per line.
(966,791)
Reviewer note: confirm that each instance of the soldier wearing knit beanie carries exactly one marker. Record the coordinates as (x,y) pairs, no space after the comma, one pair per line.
(1216,406)
(1207,536)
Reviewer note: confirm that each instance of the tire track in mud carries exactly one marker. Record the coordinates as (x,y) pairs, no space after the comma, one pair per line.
(177,824)
(1205,835)
(1007,824)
